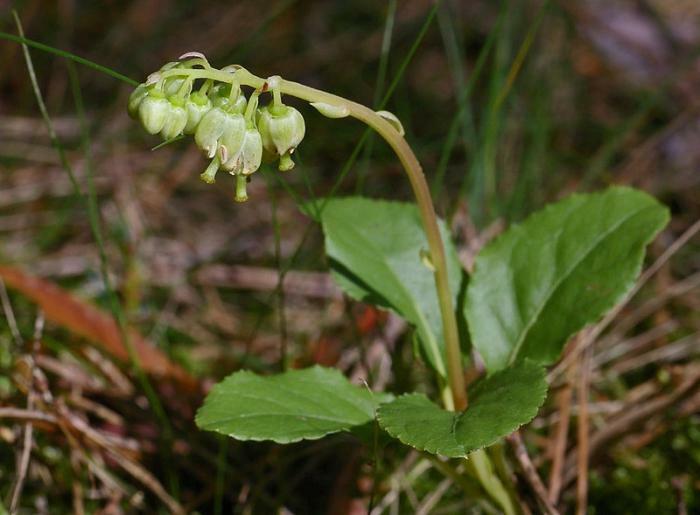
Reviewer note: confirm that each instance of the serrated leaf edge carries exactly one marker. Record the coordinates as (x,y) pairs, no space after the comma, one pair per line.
(430,449)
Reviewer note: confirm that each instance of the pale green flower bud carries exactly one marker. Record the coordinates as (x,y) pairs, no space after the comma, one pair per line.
(176,120)
(220,96)
(251,152)
(249,157)
(154,111)
(282,129)
(196,106)
(209,130)
(231,141)
(135,100)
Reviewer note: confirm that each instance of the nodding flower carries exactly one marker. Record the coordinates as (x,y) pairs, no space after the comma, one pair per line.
(228,127)
(154,110)
(282,129)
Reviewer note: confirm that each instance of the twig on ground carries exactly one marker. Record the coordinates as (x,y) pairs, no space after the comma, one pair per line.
(147,479)
(10,314)
(632,415)
(582,392)
(617,349)
(560,437)
(120,382)
(408,467)
(28,415)
(687,285)
(675,351)
(308,284)
(431,500)
(530,472)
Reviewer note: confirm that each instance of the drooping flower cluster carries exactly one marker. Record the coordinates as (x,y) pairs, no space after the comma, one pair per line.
(230,129)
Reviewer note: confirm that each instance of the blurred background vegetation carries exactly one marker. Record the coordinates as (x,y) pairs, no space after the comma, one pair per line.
(507,104)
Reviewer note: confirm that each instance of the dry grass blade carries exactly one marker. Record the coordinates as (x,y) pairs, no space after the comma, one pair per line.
(147,479)
(28,440)
(9,314)
(678,350)
(630,416)
(309,284)
(433,498)
(678,289)
(29,415)
(559,439)
(407,468)
(620,349)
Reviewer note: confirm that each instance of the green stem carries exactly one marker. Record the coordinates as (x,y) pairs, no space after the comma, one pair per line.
(233,94)
(251,107)
(68,55)
(427,212)
(418,184)
(277,99)
(454,399)
(185,89)
(461,480)
(482,467)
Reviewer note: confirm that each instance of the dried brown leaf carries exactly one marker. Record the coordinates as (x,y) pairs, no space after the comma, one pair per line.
(63,308)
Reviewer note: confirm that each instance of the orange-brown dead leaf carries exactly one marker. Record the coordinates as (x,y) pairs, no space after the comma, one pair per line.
(85,320)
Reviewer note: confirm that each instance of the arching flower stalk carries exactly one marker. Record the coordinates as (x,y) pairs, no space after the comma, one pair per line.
(189,96)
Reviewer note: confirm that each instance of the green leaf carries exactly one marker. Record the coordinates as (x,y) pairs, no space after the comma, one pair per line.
(377,254)
(498,405)
(561,269)
(296,405)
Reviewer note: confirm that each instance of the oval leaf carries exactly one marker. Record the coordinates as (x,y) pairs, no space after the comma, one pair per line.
(498,405)
(297,405)
(377,255)
(561,269)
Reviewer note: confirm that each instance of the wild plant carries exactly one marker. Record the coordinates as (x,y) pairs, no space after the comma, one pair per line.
(531,289)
